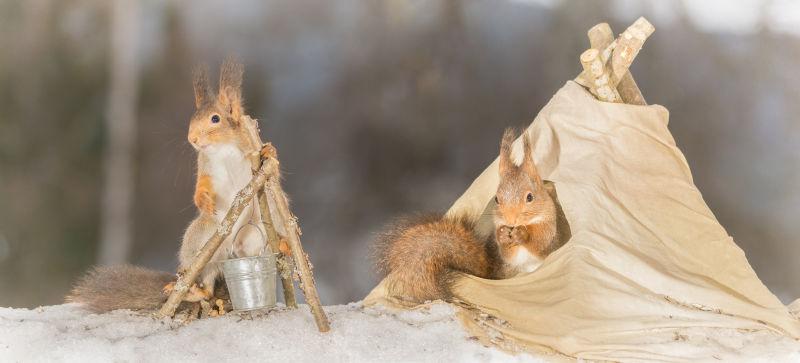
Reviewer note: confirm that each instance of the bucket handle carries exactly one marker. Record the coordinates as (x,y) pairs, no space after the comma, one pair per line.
(236,235)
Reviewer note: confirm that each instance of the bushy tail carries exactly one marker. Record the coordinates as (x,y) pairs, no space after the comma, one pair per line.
(103,289)
(421,256)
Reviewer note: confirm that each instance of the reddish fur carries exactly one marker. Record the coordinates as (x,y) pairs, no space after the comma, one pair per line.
(204,194)
(420,257)
(541,238)
(103,289)
(513,211)
(108,288)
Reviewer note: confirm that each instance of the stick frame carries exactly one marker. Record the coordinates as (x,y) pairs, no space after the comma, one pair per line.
(263,187)
(606,64)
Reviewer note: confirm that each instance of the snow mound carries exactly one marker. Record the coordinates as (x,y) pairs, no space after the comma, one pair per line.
(358,334)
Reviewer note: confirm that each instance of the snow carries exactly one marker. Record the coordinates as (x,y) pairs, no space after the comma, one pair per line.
(358,334)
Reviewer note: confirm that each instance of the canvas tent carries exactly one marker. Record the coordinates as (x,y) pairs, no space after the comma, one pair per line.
(647,260)
(647,257)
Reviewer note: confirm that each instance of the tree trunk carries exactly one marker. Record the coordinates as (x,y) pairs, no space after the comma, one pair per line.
(118,183)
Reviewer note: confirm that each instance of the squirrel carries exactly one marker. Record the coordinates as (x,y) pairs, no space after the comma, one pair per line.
(223,168)
(421,257)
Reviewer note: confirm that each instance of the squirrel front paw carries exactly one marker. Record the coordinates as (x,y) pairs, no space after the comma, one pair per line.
(168,288)
(283,246)
(503,235)
(509,236)
(269,151)
(203,195)
(195,293)
(520,234)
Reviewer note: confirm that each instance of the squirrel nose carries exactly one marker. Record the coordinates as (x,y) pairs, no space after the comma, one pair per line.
(193,140)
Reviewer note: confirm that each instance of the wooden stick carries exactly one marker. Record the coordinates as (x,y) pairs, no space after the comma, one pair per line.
(597,76)
(600,37)
(629,91)
(606,64)
(242,199)
(301,259)
(284,262)
(275,193)
(628,46)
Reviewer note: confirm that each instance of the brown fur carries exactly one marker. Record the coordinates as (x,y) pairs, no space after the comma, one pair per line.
(204,194)
(108,288)
(420,256)
(515,213)
(227,105)
(104,289)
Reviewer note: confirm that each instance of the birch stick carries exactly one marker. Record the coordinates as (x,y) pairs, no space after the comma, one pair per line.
(597,76)
(600,37)
(284,262)
(606,65)
(301,259)
(242,199)
(628,46)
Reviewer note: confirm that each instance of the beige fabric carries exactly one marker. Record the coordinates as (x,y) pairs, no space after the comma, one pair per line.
(647,257)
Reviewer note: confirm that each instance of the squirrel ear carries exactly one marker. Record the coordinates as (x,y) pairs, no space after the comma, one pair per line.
(527,161)
(505,151)
(230,86)
(202,89)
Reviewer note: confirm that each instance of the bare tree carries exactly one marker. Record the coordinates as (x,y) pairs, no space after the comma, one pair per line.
(116,227)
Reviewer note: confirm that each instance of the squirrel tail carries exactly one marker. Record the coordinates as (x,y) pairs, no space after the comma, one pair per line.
(420,257)
(103,289)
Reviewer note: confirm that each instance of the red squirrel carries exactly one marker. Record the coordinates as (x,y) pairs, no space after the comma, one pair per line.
(420,258)
(223,168)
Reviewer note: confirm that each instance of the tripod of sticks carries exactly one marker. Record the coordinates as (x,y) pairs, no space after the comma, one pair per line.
(605,65)
(264,190)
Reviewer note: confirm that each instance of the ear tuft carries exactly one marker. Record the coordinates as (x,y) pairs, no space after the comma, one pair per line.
(230,86)
(527,161)
(202,89)
(526,147)
(505,150)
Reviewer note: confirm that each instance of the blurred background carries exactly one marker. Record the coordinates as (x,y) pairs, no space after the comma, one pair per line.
(378,108)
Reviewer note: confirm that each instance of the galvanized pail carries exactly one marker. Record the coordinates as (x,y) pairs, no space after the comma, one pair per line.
(251,281)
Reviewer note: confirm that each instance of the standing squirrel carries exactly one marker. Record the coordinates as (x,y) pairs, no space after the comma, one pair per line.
(223,168)
(421,258)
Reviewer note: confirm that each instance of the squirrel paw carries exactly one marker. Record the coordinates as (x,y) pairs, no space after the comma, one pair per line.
(269,151)
(520,235)
(220,306)
(283,246)
(509,236)
(167,289)
(204,202)
(204,196)
(197,293)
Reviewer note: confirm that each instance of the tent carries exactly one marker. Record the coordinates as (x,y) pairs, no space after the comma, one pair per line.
(647,264)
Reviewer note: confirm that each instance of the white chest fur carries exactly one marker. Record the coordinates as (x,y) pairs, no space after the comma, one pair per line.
(230,172)
(524,261)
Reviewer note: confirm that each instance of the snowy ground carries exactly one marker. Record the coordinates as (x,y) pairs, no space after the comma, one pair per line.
(67,333)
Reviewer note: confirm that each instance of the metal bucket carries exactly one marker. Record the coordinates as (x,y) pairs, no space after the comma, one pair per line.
(251,281)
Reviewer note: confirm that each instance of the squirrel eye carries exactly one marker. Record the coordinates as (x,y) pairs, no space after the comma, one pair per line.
(214,119)
(529,198)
